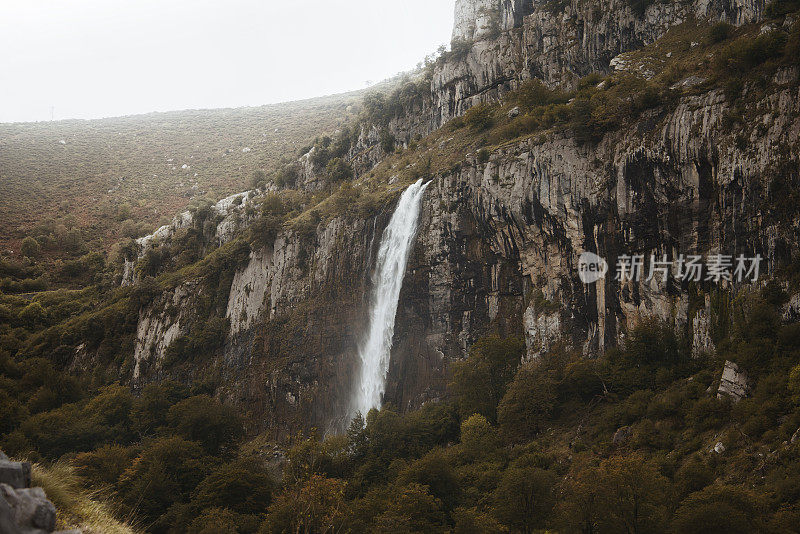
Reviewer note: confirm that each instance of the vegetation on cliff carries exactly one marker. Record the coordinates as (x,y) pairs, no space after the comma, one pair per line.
(636,439)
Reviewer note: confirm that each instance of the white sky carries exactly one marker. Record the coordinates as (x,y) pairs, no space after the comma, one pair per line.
(101,58)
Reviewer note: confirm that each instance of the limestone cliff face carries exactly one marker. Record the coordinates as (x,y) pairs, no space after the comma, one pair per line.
(556,44)
(672,184)
(500,236)
(295,310)
(497,44)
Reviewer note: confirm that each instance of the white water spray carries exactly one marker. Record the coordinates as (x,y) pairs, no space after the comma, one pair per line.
(390,267)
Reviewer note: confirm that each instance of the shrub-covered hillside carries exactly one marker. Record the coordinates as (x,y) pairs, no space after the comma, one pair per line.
(638,440)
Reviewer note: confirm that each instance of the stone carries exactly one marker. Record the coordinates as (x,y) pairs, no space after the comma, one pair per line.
(734,383)
(622,435)
(30,508)
(514,112)
(7,523)
(15,474)
(690,81)
(719,448)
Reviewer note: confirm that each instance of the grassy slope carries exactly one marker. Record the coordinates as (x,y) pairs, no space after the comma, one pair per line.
(137,160)
(76,507)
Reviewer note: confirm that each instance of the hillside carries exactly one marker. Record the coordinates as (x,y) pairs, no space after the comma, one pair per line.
(96,174)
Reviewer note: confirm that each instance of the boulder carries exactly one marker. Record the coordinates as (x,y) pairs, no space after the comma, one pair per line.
(734,383)
(7,524)
(514,112)
(30,508)
(15,474)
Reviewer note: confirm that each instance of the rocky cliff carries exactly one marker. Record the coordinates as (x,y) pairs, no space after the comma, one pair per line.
(502,230)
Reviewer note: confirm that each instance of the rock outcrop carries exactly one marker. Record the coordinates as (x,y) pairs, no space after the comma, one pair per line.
(24,510)
(17,475)
(734,383)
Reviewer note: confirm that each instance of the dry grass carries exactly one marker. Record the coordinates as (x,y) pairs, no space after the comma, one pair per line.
(77,508)
(93,174)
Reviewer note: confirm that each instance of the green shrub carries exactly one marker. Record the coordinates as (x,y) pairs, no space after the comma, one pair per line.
(259,179)
(33,315)
(149,410)
(480,381)
(207,421)
(746,54)
(12,412)
(480,117)
(242,486)
(338,170)
(640,6)
(287,176)
(534,94)
(165,472)
(215,521)
(719,32)
(529,401)
(718,508)
(103,466)
(30,247)
(778,8)
(387,141)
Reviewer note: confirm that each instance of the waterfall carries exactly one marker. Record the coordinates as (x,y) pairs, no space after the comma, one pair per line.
(376,348)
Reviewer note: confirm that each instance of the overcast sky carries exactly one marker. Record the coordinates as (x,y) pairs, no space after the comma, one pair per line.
(102,58)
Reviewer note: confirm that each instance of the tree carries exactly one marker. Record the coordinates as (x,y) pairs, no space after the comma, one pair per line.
(524,498)
(315,506)
(258,180)
(530,398)
(204,419)
(622,494)
(215,521)
(478,437)
(579,509)
(480,381)
(411,508)
(31,248)
(33,315)
(165,472)
(474,521)
(434,472)
(243,487)
(719,509)
(633,494)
